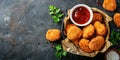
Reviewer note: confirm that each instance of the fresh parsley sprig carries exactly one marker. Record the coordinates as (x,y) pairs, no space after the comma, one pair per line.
(59,51)
(114,37)
(55,13)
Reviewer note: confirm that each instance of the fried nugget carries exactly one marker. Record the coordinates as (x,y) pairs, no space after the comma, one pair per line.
(53,34)
(76,42)
(96,43)
(84,45)
(88,31)
(117,19)
(109,5)
(97,17)
(74,33)
(68,26)
(100,28)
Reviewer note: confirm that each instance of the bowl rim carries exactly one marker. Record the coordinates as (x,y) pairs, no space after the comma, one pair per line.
(89,9)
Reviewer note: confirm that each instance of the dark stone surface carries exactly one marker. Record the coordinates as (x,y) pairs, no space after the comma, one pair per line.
(23,25)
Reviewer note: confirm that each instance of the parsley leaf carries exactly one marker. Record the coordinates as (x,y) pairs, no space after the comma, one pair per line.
(56,19)
(60,52)
(55,13)
(64,53)
(114,37)
(60,15)
(58,48)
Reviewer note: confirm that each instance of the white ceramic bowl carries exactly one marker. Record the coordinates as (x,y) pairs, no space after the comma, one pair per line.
(81,5)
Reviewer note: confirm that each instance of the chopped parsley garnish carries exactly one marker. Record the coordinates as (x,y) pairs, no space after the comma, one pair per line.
(115,37)
(60,52)
(55,13)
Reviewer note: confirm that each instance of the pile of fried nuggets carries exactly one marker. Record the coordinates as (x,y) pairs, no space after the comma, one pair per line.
(89,38)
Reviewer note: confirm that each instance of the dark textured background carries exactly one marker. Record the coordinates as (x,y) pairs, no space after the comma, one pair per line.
(23,25)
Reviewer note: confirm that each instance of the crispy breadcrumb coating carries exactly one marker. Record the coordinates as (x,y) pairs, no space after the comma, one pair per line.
(53,34)
(68,27)
(84,45)
(100,28)
(117,19)
(88,31)
(96,43)
(74,33)
(97,17)
(109,5)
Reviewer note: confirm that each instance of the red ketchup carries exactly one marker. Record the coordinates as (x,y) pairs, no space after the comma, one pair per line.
(81,15)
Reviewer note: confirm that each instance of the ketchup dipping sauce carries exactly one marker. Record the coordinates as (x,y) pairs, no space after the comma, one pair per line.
(81,15)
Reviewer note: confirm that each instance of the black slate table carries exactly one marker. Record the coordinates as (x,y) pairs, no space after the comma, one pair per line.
(23,25)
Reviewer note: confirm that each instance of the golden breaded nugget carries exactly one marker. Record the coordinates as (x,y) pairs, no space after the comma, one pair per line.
(109,5)
(97,17)
(68,26)
(96,43)
(117,19)
(74,33)
(53,34)
(84,45)
(100,28)
(88,31)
